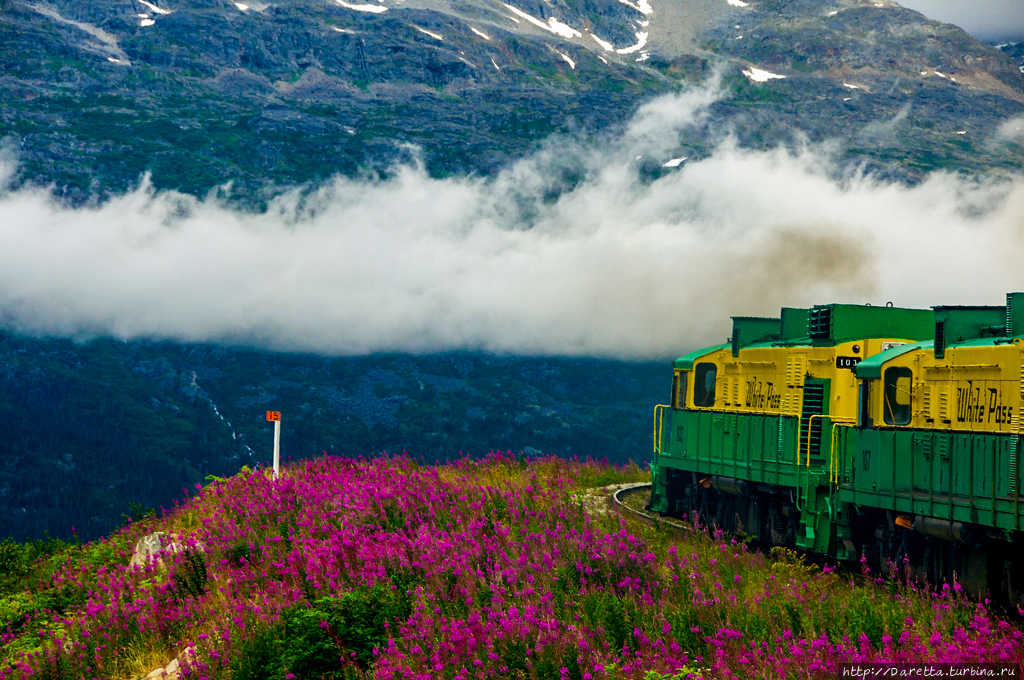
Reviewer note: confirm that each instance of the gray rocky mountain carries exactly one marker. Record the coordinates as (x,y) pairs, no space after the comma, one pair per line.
(204,92)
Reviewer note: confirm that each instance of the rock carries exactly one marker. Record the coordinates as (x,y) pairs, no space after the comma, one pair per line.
(151,547)
(171,671)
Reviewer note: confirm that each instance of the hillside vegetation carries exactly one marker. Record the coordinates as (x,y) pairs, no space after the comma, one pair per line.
(106,429)
(495,568)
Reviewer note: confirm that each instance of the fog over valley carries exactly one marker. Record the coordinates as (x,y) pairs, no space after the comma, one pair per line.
(605,247)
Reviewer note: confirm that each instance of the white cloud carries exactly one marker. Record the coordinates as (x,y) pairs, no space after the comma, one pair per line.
(616,266)
(1012,129)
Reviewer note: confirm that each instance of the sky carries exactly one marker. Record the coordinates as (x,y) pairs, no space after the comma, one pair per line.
(617,266)
(989,20)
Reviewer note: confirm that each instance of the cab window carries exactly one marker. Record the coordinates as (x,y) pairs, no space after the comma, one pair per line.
(679,390)
(704,385)
(896,395)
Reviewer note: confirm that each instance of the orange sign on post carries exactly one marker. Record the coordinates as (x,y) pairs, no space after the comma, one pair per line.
(275,416)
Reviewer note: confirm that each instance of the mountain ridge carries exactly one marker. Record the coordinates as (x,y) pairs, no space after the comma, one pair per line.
(102,92)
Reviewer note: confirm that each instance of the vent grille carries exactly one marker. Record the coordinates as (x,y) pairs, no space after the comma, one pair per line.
(795,371)
(810,430)
(940,339)
(819,326)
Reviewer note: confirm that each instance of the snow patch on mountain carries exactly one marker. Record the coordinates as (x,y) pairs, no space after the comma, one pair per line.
(552,25)
(374,9)
(107,45)
(760,75)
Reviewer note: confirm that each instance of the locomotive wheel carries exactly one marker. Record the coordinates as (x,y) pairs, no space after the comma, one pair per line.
(1012,584)
(780,527)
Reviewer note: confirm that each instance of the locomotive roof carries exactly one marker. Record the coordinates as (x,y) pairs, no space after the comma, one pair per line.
(832,324)
(871,367)
(685,362)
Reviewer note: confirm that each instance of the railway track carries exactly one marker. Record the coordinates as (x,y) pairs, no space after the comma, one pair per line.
(621,493)
(851,571)
(618,499)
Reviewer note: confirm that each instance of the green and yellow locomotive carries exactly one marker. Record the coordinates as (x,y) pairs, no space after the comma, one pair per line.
(858,432)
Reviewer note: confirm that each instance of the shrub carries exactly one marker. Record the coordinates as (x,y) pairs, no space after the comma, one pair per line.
(333,637)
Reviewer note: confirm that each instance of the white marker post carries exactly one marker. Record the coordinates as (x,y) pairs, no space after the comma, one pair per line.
(276,417)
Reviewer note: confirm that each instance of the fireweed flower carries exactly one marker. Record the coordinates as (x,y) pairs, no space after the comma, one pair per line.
(500,569)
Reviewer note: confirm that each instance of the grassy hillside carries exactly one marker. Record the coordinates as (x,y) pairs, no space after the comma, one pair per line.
(495,568)
(101,429)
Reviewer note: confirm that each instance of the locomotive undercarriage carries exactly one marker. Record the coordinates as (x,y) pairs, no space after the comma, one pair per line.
(765,513)
(914,550)
(917,550)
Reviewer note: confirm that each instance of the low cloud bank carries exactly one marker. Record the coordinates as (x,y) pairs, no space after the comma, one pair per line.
(615,266)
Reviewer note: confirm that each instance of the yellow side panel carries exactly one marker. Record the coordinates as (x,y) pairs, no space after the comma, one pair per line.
(972,388)
(770,380)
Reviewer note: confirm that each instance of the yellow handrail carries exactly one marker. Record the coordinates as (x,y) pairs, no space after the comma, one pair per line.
(659,417)
(810,423)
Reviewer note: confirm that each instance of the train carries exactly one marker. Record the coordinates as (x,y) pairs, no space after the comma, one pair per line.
(874,434)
